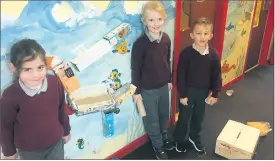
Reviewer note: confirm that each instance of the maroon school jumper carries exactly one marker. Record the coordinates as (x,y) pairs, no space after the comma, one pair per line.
(32,123)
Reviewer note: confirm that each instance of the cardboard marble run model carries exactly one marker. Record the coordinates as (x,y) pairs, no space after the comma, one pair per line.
(94,98)
(88,99)
(102,47)
(64,72)
(98,98)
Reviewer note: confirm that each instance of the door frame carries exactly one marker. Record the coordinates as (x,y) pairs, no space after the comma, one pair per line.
(249,43)
(267,35)
(266,38)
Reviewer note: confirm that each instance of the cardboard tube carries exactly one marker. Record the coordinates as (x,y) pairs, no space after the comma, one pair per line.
(141,108)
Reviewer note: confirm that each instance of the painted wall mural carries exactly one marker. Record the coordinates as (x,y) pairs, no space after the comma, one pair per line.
(91,41)
(236,37)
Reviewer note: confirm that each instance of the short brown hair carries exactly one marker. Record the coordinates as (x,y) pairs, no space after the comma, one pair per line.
(202,21)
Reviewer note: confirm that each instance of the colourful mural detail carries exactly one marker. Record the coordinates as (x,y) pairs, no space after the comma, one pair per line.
(257,13)
(80,143)
(236,37)
(93,40)
(121,48)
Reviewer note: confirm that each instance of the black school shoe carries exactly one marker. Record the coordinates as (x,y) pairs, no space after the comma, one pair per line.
(161,154)
(198,146)
(180,147)
(168,145)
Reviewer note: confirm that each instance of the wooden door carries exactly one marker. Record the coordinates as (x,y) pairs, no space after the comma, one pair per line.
(190,11)
(257,33)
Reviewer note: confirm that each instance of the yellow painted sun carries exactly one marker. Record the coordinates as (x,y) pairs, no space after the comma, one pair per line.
(13,8)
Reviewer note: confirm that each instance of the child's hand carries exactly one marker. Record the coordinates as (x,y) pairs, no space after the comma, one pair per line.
(212,100)
(66,138)
(13,157)
(137,97)
(184,101)
(170,86)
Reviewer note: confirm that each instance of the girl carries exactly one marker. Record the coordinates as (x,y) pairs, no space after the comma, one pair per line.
(33,119)
(151,74)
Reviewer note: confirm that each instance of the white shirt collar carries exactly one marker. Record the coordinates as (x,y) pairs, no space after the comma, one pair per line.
(206,51)
(150,37)
(32,92)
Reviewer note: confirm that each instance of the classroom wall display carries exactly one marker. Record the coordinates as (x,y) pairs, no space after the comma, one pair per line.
(88,44)
(236,37)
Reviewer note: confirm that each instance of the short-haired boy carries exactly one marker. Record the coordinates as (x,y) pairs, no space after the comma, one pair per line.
(198,74)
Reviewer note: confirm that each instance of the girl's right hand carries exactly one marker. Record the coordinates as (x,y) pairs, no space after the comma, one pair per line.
(184,101)
(137,97)
(13,157)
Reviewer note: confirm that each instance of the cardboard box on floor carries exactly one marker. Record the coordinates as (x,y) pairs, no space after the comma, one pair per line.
(237,141)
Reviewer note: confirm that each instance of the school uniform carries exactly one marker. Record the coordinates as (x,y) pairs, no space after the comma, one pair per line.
(34,120)
(151,73)
(198,73)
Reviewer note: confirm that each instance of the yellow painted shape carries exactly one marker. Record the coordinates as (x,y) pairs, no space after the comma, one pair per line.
(102,5)
(257,13)
(133,7)
(13,8)
(62,12)
(130,4)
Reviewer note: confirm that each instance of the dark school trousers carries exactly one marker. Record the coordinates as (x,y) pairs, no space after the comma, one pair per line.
(191,116)
(55,152)
(156,104)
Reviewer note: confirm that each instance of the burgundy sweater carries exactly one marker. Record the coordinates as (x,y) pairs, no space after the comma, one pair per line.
(199,71)
(150,63)
(32,123)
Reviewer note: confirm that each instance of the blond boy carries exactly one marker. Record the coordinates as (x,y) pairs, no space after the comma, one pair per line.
(198,74)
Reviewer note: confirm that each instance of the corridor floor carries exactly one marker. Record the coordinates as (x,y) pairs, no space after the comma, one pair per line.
(253,100)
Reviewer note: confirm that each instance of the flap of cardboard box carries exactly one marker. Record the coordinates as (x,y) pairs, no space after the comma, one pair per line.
(248,139)
(240,136)
(230,132)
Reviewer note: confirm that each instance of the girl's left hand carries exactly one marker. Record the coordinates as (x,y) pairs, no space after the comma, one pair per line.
(212,100)
(66,138)
(170,86)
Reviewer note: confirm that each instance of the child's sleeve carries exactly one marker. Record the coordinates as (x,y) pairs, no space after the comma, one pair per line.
(216,80)
(181,74)
(7,120)
(63,116)
(136,65)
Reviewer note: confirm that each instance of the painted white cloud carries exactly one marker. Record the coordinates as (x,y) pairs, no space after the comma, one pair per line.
(6,20)
(90,12)
(173,4)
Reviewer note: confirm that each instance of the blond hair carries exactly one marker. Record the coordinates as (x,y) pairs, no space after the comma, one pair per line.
(154,6)
(202,21)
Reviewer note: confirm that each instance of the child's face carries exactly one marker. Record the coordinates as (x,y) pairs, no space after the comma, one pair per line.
(154,21)
(33,72)
(201,35)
